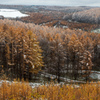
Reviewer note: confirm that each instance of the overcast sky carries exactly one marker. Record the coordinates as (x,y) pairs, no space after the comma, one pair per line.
(54,2)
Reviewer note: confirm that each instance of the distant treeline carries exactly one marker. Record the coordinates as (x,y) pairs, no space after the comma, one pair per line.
(85,16)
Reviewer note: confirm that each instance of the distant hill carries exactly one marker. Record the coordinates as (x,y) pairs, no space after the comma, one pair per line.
(87,16)
(37,8)
(44,14)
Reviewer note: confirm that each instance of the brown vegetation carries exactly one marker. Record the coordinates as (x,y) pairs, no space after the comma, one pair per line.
(37,18)
(65,49)
(51,20)
(20,54)
(22,91)
(76,25)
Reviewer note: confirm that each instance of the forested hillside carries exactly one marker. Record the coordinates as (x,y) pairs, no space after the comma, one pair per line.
(79,17)
(64,51)
(87,16)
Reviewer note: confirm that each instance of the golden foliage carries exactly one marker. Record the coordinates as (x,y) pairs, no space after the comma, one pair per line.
(23,91)
(20,49)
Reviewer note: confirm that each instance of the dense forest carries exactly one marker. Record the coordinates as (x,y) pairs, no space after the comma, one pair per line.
(20,54)
(59,51)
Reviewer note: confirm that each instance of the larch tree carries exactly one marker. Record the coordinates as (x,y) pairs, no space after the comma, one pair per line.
(21,53)
(33,55)
(66,48)
(86,64)
(73,54)
(59,56)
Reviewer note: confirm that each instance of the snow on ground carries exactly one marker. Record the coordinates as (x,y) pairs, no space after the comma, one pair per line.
(95,75)
(96,31)
(33,85)
(47,75)
(11,13)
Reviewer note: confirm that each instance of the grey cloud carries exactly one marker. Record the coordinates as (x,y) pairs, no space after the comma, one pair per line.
(54,2)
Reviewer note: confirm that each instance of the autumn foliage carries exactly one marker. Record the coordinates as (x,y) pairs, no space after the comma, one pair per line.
(37,18)
(23,91)
(20,53)
(65,51)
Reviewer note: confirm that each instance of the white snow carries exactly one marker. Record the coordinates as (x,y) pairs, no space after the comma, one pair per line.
(11,13)
(62,78)
(95,75)
(25,56)
(33,85)
(65,26)
(33,66)
(96,30)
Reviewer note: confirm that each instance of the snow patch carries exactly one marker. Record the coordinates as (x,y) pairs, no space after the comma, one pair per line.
(95,75)
(96,31)
(11,13)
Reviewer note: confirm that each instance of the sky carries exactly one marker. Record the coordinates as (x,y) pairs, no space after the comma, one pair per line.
(53,2)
